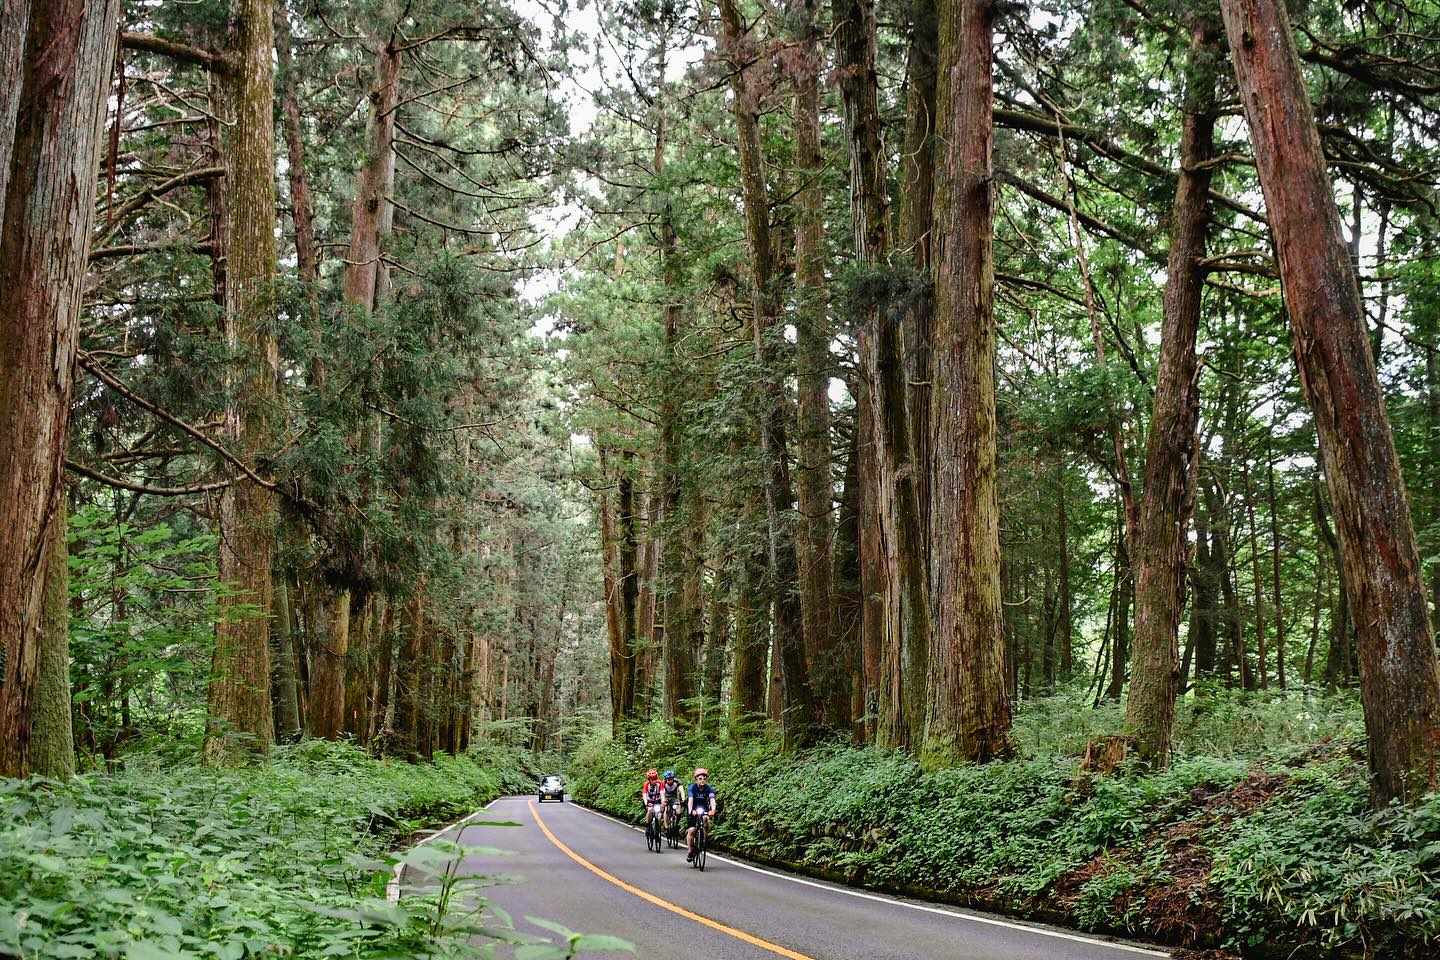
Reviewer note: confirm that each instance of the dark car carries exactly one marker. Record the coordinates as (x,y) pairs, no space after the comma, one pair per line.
(552,788)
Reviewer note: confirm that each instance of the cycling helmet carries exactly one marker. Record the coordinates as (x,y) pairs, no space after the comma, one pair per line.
(651,775)
(669,774)
(701,772)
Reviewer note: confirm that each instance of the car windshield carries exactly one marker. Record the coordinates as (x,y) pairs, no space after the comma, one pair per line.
(552,781)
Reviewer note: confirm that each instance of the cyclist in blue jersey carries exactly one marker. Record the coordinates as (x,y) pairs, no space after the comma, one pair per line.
(700,803)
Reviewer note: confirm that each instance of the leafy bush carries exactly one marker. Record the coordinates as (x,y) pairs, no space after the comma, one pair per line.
(1234,850)
(288,859)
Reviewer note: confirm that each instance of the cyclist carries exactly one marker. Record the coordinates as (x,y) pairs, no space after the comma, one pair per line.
(674,797)
(699,805)
(652,795)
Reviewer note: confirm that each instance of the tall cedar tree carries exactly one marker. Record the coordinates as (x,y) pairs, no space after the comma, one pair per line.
(55,61)
(1380,562)
(968,714)
(1171,456)
(797,715)
(241,721)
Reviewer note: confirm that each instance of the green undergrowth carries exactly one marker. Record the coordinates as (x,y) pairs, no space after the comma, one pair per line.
(291,859)
(1268,852)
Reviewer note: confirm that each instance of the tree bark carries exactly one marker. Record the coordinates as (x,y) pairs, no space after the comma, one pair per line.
(812,375)
(798,721)
(56,64)
(53,752)
(1202,603)
(287,703)
(968,711)
(1172,454)
(239,701)
(747,681)
(1399,679)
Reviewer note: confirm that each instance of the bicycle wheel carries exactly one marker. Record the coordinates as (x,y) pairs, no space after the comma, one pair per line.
(649,834)
(702,841)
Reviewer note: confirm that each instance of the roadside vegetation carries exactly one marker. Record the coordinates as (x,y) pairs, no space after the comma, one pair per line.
(165,860)
(1259,838)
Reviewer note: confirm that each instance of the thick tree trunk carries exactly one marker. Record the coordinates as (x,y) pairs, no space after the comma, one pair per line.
(383,719)
(240,672)
(910,363)
(629,575)
(358,670)
(752,635)
(1171,455)
(717,649)
(969,712)
(683,571)
(410,667)
(812,375)
(329,622)
(848,601)
(798,721)
(53,749)
(1399,681)
(287,703)
(57,62)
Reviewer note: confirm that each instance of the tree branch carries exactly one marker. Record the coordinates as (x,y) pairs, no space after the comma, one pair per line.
(175,50)
(116,482)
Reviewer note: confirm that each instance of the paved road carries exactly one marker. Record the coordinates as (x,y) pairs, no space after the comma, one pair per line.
(595,875)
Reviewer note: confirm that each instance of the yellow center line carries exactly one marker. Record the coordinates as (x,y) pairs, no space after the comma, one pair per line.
(644,895)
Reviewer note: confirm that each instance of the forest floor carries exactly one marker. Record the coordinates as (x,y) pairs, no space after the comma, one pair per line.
(1264,850)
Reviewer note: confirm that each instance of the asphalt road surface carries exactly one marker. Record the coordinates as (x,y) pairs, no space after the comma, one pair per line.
(596,876)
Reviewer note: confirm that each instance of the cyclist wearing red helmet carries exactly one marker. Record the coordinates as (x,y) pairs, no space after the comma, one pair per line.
(652,795)
(700,803)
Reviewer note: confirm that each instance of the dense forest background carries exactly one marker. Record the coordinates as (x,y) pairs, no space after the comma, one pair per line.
(430,375)
(457,357)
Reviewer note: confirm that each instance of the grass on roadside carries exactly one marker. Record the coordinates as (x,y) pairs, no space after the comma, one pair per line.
(290,859)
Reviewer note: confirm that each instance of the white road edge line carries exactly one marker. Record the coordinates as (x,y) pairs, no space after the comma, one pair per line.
(926,908)
(392,889)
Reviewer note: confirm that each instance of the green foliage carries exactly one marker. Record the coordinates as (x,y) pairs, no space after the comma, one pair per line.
(1237,848)
(289,859)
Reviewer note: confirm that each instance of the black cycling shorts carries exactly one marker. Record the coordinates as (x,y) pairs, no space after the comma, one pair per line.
(695,818)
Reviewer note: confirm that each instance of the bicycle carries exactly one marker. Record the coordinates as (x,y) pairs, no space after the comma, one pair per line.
(673,836)
(654,838)
(702,842)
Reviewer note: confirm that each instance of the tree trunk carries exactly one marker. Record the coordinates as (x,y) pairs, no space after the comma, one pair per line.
(287,704)
(629,574)
(752,640)
(969,713)
(409,668)
(239,701)
(306,258)
(358,669)
(798,723)
(1202,603)
(1275,565)
(58,64)
(1171,454)
(1262,659)
(682,570)
(1399,680)
(812,375)
(717,644)
(1067,617)
(53,748)
(848,661)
